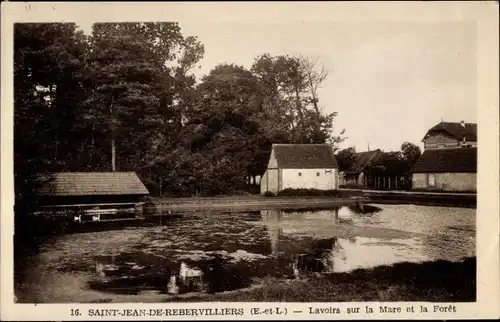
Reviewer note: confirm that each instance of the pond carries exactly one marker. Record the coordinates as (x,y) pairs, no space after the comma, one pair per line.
(193,253)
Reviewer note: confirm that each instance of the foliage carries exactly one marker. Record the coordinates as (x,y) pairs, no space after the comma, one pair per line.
(346,158)
(395,166)
(411,153)
(47,81)
(309,192)
(124,98)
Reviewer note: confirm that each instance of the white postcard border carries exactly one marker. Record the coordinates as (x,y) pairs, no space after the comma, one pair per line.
(485,15)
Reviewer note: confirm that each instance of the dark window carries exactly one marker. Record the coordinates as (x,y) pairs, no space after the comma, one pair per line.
(300,174)
(317,174)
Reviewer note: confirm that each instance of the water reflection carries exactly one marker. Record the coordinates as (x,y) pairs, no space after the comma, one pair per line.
(210,253)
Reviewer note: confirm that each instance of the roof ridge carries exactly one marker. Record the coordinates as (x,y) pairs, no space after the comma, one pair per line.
(453,148)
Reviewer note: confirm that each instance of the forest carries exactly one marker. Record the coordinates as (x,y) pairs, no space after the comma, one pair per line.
(125,98)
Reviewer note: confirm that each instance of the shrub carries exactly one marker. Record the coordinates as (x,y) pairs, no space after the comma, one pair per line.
(309,192)
(269,194)
(353,186)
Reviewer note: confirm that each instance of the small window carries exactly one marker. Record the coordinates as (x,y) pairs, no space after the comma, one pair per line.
(300,174)
(317,174)
(431,180)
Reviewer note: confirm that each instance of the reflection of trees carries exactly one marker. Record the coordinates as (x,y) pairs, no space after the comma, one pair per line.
(272,220)
(305,254)
(336,253)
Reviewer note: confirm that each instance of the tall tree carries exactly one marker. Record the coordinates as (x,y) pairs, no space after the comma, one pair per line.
(225,122)
(411,153)
(290,88)
(132,88)
(47,84)
(346,158)
(315,73)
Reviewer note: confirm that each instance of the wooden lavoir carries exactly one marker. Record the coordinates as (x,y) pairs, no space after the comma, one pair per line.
(93,196)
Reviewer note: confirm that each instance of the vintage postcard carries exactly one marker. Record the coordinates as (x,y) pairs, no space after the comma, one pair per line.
(287,160)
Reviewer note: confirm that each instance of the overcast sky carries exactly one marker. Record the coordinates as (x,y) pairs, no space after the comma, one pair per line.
(389,80)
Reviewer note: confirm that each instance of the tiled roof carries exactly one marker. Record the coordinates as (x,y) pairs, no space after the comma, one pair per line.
(363,160)
(304,156)
(93,183)
(447,160)
(455,129)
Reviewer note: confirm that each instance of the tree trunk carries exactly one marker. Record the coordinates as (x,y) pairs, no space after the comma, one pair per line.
(92,145)
(299,112)
(113,155)
(316,107)
(113,146)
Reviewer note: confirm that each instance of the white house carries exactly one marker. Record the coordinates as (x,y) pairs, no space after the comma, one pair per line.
(300,166)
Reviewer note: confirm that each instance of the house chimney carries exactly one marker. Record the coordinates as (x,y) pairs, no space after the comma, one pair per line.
(462,123)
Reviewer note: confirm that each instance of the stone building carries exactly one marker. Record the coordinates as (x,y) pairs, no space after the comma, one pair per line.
(449,161)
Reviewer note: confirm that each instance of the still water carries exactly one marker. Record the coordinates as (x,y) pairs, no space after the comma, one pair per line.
(186,254)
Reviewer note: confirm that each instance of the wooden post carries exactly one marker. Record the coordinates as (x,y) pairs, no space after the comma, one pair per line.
(336,216)
(139,210)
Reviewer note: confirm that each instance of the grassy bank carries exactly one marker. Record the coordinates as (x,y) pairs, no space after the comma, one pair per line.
(440,281)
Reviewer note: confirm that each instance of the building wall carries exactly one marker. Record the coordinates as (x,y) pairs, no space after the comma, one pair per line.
(273,163)
(263,183)
(441,141)
(342,178)
(470,144)
(361,179)
(351,179)
(328,179)
(272,180)
(446,181)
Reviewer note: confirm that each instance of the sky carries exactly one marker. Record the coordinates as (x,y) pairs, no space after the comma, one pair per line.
(389,81)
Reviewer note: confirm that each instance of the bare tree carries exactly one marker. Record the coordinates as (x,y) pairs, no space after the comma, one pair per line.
(315,73)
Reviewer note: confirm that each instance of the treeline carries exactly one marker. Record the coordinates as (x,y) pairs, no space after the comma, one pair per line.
(124,98)
(390,167)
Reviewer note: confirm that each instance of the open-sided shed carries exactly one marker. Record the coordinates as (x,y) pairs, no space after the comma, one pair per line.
(92,193)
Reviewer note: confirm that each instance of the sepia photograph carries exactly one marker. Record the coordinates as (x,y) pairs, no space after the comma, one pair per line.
(161,161)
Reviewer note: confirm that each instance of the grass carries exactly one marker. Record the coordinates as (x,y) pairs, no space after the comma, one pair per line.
(440,280)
